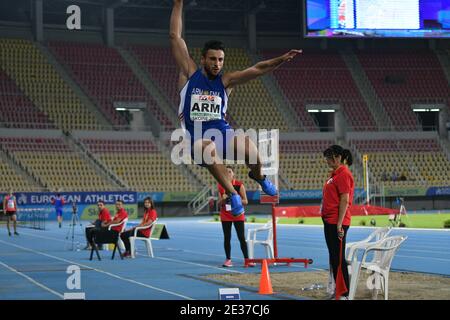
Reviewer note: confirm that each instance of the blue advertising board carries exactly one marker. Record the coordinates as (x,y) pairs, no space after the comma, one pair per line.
(83,203)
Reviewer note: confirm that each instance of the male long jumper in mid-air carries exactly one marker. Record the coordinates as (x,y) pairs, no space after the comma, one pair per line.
(208,84)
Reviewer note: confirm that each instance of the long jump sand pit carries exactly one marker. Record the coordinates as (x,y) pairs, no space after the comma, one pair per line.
(402,285)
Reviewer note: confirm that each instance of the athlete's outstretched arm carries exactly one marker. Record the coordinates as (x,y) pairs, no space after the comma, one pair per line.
(239,77)
(179,48)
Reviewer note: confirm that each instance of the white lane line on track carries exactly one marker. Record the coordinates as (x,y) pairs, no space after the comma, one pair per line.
(199,264)
(175,260)
(99,270)
(418,257)
(32,280)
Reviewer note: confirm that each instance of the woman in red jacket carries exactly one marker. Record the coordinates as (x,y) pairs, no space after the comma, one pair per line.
(148,218)
(338,193)
(228,219)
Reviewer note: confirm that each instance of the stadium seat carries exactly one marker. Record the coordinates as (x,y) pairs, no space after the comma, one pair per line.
(140,164)
(51,101)
(106,78)
(322,78)
(406,156)
(421,80)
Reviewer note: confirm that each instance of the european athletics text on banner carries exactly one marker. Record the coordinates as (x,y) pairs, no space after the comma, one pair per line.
(86,203)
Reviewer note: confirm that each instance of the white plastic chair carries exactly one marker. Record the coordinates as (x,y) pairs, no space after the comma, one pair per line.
(352,247)
(148,242)
(124,225)
(379,266)
(378,234)
(267,243)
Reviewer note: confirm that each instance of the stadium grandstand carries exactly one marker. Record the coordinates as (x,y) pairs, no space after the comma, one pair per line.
(33,107)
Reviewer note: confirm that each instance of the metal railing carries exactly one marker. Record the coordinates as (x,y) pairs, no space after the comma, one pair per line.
(201,200)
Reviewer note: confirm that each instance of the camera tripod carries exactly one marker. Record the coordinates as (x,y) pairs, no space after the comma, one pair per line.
(71,232)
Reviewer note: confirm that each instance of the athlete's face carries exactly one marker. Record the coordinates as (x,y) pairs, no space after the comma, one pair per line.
(119,205)
(147,204)
(213,61)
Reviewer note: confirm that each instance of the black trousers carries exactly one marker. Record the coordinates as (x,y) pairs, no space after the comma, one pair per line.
(333,244)
(88,231)
(101,235)
(125,236)
(240,231)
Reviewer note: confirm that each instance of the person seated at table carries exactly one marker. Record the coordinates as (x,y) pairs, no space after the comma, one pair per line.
(103,218)
(104,232)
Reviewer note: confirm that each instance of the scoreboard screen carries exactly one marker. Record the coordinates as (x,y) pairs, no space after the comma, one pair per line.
(377,18)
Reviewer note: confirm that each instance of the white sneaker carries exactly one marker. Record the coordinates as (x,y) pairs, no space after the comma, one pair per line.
(343,298)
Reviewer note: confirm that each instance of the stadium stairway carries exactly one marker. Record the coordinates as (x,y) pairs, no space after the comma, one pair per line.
(143,76)
(15,176)
(366,89)
(87,102)
(184,169)
(50,157)
(139,161)
(445,145)
(357,169)
(96,164)
(444,59)
(403,78)
(376,192)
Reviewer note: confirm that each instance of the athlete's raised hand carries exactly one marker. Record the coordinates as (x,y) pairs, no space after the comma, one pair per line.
(291,54)
(179,47)
(239,77)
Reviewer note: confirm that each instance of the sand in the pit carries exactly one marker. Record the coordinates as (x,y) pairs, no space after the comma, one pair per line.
(402,285)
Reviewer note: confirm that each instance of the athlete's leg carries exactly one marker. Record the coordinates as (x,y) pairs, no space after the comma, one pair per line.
(239,226)
(219,171)
(59,215)
(7,223)
(226,227)
(253,162)
(245,146)
(14,219)
(216,168)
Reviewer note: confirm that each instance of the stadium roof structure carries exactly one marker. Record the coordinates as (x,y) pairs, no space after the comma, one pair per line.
(272,16)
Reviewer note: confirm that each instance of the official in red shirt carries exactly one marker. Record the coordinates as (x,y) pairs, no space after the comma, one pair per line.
(148,218)
(103,232)
(104,217)
(10,209)
(337,198)
(228,219)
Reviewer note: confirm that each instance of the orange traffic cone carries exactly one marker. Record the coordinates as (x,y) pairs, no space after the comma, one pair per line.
(265,285)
